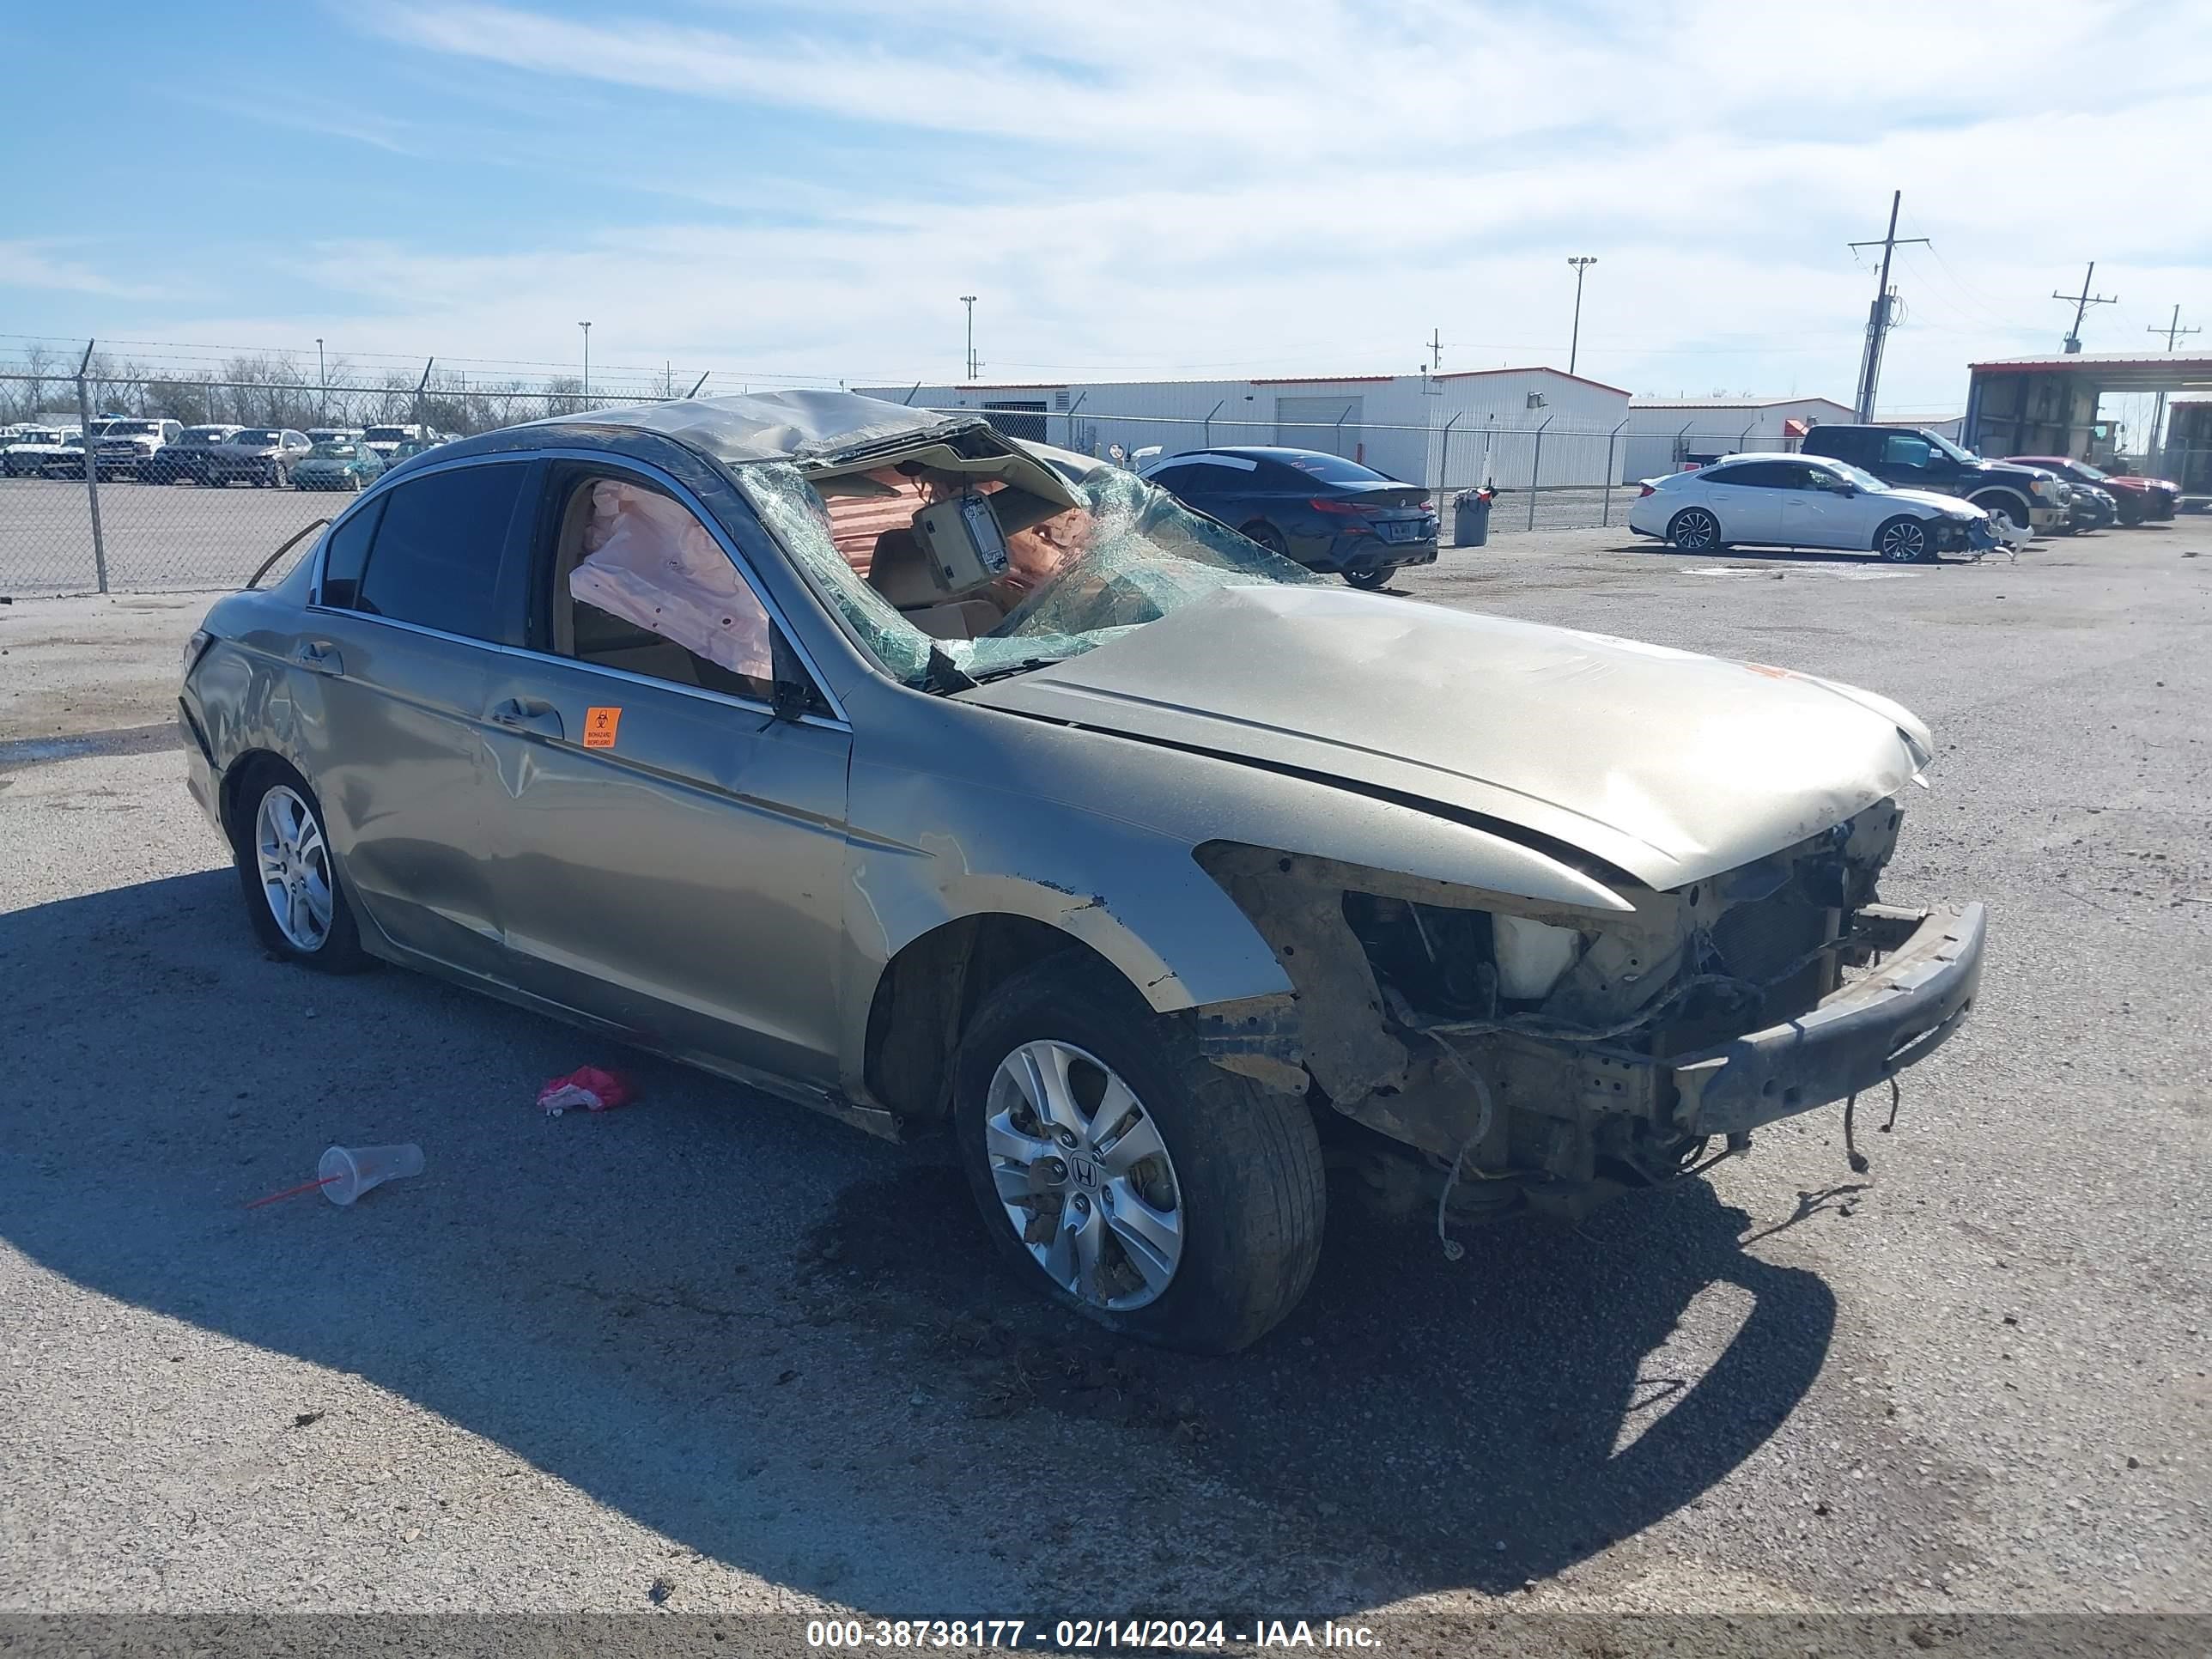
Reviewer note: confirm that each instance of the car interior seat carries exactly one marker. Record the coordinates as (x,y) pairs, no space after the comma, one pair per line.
(900,572)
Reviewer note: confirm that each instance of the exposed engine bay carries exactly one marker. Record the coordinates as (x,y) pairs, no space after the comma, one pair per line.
(1526,1052)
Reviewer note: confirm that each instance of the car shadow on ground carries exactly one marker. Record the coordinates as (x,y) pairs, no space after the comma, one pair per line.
(713,1313)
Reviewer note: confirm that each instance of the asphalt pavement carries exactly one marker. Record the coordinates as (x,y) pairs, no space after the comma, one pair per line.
(713,1353)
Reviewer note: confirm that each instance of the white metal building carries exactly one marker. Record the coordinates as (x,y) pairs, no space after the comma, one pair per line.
(1664,433)
(1442,430)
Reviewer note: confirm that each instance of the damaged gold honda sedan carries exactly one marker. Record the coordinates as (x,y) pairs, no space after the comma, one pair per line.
(942,781)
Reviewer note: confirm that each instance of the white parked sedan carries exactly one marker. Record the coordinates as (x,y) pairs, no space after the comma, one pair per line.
(1805,501)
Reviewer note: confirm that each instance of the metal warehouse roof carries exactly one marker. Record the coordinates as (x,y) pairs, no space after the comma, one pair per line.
(1732,403)
(2114,371)
(1268,379)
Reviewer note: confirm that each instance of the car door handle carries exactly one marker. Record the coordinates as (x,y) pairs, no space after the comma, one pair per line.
(321,655)
(528,714)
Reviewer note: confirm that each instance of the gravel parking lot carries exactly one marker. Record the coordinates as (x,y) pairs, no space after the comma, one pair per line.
(714,1353)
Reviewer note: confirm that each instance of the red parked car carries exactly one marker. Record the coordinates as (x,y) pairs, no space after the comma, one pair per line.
(2140,499)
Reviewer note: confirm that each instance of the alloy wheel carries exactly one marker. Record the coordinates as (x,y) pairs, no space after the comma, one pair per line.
(1696,530)
(294,868)
(1083,1176)
(1904,541)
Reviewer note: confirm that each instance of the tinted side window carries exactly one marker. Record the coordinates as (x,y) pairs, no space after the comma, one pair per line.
(1723,475)
(436,558)
(1899,450)
(346,554)
(1765,475)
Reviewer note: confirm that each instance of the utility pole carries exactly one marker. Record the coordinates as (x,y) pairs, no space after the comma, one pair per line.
(2174,331)
(587,327)
(968,300)
(1574,345)
(1878,318)
(2081,302)
(322,383)
(1436,349)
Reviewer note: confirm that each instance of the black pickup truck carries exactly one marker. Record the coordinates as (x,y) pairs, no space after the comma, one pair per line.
(2026,500)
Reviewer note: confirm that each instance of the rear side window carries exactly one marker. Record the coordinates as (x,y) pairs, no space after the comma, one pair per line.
(435,558)
(347,555)
(1334,468)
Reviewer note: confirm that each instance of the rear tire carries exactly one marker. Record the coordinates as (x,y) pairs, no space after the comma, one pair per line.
(1694,530)
(1215,1235)
(1372,581)
(295,895)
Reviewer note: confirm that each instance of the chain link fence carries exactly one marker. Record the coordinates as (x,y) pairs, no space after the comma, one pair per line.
(193,482)
(174,501)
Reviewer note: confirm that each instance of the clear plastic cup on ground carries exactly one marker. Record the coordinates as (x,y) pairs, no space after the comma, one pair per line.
(352,1170)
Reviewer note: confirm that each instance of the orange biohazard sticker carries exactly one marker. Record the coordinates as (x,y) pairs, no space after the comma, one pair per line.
(600,725)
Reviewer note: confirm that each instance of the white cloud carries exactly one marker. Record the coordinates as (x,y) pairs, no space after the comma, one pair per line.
(43,264)
(1306,184)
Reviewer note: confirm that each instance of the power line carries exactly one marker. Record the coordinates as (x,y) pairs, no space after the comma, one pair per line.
(2081,302)
(2173,331)
(1878,316)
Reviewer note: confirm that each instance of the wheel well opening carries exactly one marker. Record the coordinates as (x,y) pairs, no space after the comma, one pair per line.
(235,777)
(931,990)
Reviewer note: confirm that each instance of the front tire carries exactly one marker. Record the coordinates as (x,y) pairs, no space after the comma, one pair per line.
(1904,540)
(2013,524)
(1124,1175)
(293,897)
(1694,530)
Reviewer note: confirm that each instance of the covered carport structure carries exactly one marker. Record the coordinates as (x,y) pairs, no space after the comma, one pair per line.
(2049,406)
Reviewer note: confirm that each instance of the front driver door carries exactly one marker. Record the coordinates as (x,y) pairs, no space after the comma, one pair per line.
(670,847)
(1814,512)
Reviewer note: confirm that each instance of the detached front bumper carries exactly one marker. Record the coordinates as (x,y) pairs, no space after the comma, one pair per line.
(1865,1032)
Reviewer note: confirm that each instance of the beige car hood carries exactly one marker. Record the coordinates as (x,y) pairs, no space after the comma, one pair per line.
(1668,765)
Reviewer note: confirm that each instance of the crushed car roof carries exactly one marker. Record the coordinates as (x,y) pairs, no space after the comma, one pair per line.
(777,426)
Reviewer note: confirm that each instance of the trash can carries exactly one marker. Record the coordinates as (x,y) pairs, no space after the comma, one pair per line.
(1471,518)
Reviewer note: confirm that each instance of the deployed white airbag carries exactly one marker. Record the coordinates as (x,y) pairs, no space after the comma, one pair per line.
(652,563)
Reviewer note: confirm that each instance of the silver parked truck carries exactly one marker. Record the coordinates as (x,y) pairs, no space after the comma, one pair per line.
(952,783)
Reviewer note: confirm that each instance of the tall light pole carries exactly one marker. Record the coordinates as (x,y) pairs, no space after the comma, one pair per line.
(587,327)
(323,384)
(1574,346)
(968,300)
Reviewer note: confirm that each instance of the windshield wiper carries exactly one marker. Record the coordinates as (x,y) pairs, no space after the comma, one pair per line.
(943,677)
(1008,670)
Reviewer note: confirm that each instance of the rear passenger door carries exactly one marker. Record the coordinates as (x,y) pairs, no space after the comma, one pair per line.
(670,792)
(1741,499)
(416,597)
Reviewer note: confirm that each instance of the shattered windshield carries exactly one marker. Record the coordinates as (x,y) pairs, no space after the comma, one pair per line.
(1127,554)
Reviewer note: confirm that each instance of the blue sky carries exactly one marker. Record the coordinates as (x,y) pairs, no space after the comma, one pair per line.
(1143,189)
